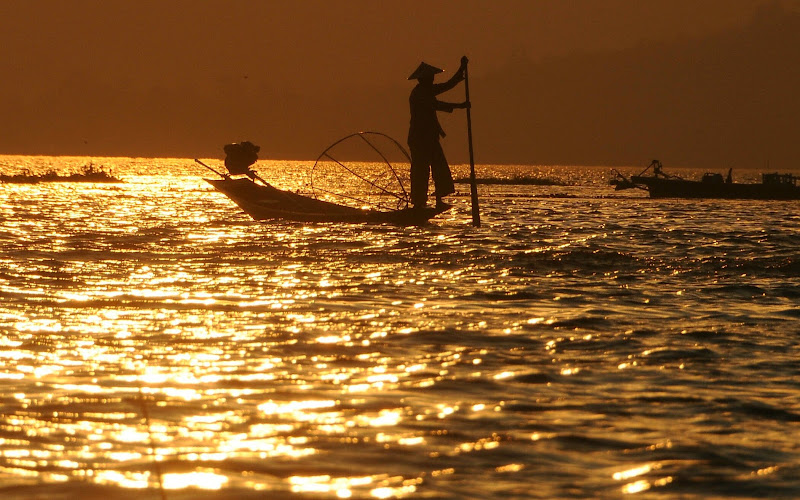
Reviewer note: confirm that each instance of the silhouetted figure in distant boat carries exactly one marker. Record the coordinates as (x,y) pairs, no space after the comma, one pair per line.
(427,156)
(239,156)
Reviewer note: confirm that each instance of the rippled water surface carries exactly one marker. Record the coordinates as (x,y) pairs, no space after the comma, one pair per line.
(157,343)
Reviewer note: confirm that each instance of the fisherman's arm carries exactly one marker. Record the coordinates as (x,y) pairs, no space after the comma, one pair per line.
(448,107)
(454,80)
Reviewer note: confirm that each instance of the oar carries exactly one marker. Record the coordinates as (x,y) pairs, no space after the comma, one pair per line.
(473,183)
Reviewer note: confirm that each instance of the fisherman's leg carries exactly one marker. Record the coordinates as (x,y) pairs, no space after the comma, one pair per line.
(420,172)
(442,177)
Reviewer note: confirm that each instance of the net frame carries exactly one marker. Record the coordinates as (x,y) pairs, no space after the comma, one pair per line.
(380,190)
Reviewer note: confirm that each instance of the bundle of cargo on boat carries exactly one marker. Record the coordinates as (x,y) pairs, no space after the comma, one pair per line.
(342,189)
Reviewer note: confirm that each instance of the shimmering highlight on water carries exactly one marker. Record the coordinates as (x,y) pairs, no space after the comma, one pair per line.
(578,345)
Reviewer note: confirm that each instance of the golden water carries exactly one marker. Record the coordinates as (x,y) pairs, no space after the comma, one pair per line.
(577,346)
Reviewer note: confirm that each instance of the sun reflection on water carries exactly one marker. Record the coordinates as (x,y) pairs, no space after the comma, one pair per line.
(152,328)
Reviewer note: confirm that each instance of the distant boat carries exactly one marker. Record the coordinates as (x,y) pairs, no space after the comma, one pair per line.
(516,180)
(773,186)
(89,173)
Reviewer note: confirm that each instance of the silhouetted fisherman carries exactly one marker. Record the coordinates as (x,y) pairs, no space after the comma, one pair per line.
(427,156)
(239,156)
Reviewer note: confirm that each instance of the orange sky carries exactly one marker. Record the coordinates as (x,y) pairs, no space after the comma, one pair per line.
(154,78)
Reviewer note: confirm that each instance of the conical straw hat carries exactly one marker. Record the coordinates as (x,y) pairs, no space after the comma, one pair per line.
(423,70)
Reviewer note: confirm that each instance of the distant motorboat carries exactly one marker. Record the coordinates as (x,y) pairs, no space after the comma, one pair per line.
(773,186)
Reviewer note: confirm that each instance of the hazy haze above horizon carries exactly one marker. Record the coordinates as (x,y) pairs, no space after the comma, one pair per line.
(181,78)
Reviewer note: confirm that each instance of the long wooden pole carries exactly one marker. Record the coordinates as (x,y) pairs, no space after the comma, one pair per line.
(473,183)
(251,174)
(224,176)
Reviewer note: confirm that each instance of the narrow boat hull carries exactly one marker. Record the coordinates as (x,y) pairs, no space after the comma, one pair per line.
(269,203)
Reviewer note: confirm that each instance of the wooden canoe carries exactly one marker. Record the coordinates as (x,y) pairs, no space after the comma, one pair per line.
(264,202)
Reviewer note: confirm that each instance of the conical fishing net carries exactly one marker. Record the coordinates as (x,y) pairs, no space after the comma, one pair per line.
(363,170)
